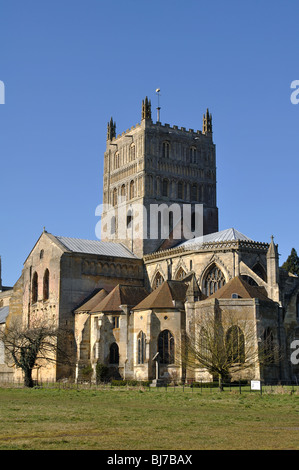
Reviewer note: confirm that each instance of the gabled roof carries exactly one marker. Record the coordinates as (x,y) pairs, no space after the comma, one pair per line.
(165,296)
(92,301)
(230,234)
(92,247)
(95,247)
(121,295)
(4,312)
(237,285)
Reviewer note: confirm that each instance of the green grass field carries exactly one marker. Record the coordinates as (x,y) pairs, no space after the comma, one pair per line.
(143,419)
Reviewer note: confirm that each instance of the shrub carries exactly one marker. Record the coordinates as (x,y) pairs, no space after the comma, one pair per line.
(87,372)
(102,373)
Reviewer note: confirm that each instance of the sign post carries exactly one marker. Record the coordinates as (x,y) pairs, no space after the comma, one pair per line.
(256,385)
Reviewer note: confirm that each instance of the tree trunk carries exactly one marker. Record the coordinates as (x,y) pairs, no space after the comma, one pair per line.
(28,382)
(220,383)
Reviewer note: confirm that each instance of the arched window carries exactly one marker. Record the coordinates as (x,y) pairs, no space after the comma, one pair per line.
(166,347)
(141,347)
(268,345)
(41,255)
(165,185)
(116,161)
(158,280)
(113,225)
(180,274)
(235,345)
(46,285)
(193,155)
(194,192)
(214,280)
(129,219)
(165,149)
(132,152)
(34,288)
(114,354)
(180,190)
(123,191)
(114,196)
(132,189)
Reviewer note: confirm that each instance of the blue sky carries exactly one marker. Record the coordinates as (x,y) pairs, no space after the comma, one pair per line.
(68,66)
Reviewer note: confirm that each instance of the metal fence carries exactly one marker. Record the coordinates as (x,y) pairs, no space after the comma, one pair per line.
(266,387)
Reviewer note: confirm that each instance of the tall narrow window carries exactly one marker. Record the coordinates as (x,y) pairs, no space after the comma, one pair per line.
(180,190)
(194,192)
(193,155)
(141,347)
(166,347)
(123,192)
(34,288)
(114,196)
(132,152)
(113,225)
(46,285)
(132,190)
(129,219)
(165,187)
(165,149)
(116,160)
(114,354)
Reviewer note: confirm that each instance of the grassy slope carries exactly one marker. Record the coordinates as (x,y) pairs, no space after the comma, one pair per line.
(149,420)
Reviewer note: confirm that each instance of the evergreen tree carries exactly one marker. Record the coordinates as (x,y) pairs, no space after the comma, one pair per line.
(292,263)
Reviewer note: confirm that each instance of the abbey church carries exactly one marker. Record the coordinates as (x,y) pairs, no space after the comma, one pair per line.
(158,266)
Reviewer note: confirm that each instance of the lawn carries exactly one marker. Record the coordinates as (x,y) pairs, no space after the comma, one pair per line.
(143,419)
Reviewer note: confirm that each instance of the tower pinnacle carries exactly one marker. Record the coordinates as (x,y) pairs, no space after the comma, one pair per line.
(146,109)
(207,123)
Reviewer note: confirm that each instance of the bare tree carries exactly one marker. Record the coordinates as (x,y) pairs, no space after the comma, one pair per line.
(224,344)
(34,346)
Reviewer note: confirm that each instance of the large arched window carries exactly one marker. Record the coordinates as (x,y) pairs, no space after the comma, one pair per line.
(158,280)
(166,347)
(141,348)
(214,280)
(34,288)
(46,285)
(235,345)
(114,354)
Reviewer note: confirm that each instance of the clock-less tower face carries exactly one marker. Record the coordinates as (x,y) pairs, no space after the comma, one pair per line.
(159,185)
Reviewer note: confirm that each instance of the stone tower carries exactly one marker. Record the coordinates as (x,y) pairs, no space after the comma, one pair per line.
(150,168)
